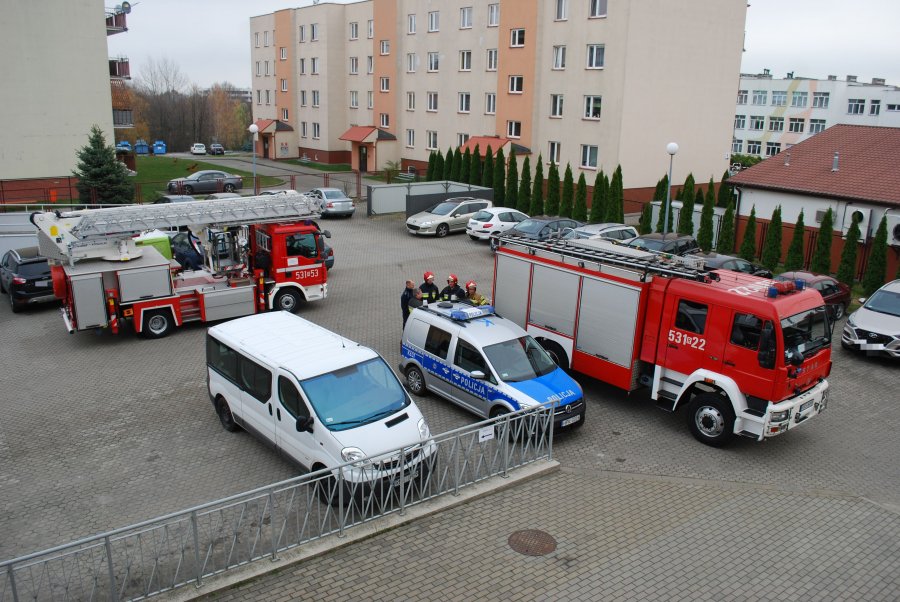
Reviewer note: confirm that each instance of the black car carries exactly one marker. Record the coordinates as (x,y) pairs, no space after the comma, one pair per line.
(673,244)
(216,149)
(717,261)
(25,277)
(540,228)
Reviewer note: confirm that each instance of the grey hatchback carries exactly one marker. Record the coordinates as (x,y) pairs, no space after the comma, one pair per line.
(207,180)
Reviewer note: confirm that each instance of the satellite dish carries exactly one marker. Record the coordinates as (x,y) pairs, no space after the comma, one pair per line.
(126,7)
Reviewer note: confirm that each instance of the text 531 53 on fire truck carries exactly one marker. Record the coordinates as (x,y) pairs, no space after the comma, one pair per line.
(745,355)
(257,253)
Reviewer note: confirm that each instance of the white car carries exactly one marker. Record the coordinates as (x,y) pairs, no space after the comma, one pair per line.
(875,327)
(198,148)
(610,231)
(493,220)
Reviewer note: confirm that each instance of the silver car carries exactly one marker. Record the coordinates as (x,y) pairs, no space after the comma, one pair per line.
(875,327)
(612,231)
(333,202)
(206,180)
(448,216)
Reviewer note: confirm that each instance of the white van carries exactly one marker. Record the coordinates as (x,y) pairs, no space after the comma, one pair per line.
(315,396)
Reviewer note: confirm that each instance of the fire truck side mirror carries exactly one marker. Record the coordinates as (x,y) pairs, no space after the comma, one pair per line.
(794,357)
(766,355)
(326,233)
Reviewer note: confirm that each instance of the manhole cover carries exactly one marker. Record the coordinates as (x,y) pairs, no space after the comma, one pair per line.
(532,542)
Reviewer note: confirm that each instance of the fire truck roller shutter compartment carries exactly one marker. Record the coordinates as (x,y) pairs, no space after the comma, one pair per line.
(90,310)
(511,288)
(554,300)
(144,282)
(607,321)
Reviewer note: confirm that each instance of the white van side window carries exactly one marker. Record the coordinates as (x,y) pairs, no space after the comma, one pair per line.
(290,398)
(438,342)
(469,359)
(255,380)
(222,359)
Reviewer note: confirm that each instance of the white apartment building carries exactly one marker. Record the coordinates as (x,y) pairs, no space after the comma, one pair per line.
(590,83)
(774,114)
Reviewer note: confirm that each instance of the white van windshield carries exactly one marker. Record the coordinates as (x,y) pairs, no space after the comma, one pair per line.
(355,395)
(519,359)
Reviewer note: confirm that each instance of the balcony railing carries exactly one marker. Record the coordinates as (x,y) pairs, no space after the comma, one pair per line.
(115,23)
(120,67)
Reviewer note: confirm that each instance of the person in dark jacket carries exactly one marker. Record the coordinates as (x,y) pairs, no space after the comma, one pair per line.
(407,294)
(430,291)
(453,291)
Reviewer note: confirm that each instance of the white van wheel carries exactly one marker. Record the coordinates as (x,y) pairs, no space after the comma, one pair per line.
(225,416)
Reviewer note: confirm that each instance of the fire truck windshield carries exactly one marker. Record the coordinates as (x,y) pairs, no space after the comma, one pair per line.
(806,332)
(519,359)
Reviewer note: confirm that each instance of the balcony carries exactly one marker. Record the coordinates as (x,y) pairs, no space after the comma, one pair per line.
(119,68)
(115,20)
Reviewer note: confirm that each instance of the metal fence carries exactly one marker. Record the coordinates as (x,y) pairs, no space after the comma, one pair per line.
(186,547)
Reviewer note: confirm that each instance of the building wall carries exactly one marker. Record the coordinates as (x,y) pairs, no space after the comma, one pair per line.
(46,47)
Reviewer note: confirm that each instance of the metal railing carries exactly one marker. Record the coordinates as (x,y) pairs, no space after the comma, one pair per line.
(186,547)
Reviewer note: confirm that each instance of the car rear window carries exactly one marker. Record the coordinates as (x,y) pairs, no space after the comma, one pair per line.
(530,226)
(334,194)
(34,269)
(482,216)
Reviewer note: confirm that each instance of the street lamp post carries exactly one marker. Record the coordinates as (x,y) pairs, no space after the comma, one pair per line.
(671,148)
(253,129)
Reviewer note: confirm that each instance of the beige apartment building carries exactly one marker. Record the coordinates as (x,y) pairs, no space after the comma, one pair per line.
(590,83)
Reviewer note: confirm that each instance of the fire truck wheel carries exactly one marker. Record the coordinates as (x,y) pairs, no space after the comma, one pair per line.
(711,419)
(287,300)
(442,230)
(416,381)
(157,324)
(556,353)
(225,416)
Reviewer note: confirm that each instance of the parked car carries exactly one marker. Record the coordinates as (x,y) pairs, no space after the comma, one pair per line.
(216,149)
(718,261)
(447,216)
(493,220)
(674,244)
(198,148)
(173,198)
(875,327)
(25,277)
(836,294)
(333,202)
(609,230)
(274,192)
(206,180)
(221,195)
(541,228)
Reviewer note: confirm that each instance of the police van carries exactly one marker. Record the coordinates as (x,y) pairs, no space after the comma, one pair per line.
(315,396)
(484,363)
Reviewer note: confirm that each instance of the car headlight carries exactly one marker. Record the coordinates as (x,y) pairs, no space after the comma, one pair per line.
(850,321)
(355,455)
(424,431)
(779,416)
(426,224)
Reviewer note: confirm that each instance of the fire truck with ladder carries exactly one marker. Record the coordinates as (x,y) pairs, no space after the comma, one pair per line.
(744,355)
(257,253)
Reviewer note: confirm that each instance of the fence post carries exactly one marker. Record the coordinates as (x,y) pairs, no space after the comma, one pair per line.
(113,594)
(550,444)
(272,524)
(326,179)
(197,548)
(402,484)
(456,467)
(506,433)
(340,486)
(12,583)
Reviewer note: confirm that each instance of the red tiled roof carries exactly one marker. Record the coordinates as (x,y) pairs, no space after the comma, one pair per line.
(121,95)
(357,133)
(483,142)
(868,157)
(262,124)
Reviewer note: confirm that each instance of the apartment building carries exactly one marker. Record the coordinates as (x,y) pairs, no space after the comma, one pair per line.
(773,114)
(590,83)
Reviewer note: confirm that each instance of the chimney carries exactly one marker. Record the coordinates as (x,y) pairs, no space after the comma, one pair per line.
(790,75)
(834,164)
(832,78)
(766,72)
(787,159)
(877,81)
(851,78)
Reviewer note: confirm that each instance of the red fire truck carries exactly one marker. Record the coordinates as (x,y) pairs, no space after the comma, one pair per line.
(257,253)
(745,355)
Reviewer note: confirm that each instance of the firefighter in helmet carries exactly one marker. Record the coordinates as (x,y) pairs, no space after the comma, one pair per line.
(453,292)
(473,296)
(430,291)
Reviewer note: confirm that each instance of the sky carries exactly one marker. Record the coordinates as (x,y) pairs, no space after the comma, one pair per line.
(209,40)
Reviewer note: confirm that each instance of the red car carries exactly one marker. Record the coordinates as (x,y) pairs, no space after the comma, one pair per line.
(836,294)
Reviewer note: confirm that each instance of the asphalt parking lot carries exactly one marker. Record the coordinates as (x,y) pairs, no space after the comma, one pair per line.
(100,431)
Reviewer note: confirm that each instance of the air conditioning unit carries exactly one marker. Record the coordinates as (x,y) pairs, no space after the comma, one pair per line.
(893,229)
(863,217)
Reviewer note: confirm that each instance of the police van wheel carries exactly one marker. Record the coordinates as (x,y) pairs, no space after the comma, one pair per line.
(711,419)
(415,380)
(225,416)
(157,324)
(287,300)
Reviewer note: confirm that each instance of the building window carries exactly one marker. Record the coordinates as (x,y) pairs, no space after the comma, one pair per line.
(816,126)
(514,129)
(370,99)
(760,97)
(410,24)
(465,102)
(433,61)
(592,107)
(432,105)
(410,101)
(465,17)
(301,33)
(315,98)
(431,141)
(855,106)
(354,65)
(385,84)
(268,97)
(740,122)
(354,31)
(776,124)
(737,146)
(370,65)
(589,156)
(757,122)
(779,98)
(258,68)
(742,97)
(302,66)
(284,85)
(492,59)
(284,114)
(559,57)
(893,107)
(302,98)
(370,29)
(820,100)
(516,84)
(314,65)
(595,56)
(354,99)
(517,38)
(598,8)
(772,148)
(874,107)
(553,154)
(316,131)
(123,117)
(410,138)
(266,39)
(411,62)
(562,10)
(754,147)
(434,21)
(461,139)
(259,97)
(799,99)
(303,129)
(490,103)
(796,125)
(465,60)
(385,47)
(266,67)
(314,36)
(283,53)
(385,120)
(256,39)
(556,105)
(493,15)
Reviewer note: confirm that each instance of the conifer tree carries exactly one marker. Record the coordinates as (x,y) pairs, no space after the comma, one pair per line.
(438,167)
(686,215)
(448,165)
(877,267)
(821,261)
(705,235)
(615,198)
(725,244)
(499,177)
(645,226)
(512,181)
(475,172)
(847,268)
(552,204)
(664,202)
(524,203)
(487,172)
(748,244)
(429,175)
(456,168)
(794,259)
(579,212)
(725,191)
(101,179)
(537,189)
(465,173)
(771,254)
(598,207)
(568,193)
